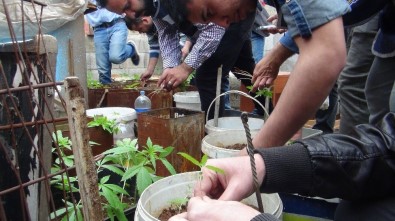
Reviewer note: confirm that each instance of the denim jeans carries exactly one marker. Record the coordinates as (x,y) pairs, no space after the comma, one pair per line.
(111,47)
(258,44)
(302,16)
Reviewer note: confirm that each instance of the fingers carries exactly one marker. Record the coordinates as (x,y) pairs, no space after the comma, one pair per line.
(167,83)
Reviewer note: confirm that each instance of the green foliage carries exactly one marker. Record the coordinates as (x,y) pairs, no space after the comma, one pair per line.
(107,125)
(140,163)
(201,163)
(125,160)
(179,203)
(133,85)
(136,77)
(266,92)
(69,213)
(93,84)
(184,85)
(64,144)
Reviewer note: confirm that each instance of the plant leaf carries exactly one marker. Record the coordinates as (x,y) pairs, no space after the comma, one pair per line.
(190,158)
(167,151)
(216,169)
(113,169)
(143,180)
(168,166)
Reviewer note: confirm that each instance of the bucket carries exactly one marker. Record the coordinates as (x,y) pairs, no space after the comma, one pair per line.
(213,144)
(162,193)
(124,118)
(188,100)
(233,123)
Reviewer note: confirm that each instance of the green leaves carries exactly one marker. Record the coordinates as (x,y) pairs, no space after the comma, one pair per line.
(266,92)
(140,163)
(202,162)
(106,124)
(124,159)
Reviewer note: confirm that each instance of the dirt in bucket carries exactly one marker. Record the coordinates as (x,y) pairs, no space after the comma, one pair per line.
(238,146)
(172,211)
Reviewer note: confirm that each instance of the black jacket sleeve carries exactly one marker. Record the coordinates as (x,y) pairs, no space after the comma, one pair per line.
(336,165)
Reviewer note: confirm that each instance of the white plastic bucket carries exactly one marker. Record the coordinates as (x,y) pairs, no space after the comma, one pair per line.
(188,100)
(124,118)
(159,195)
(233,123)
(213,144)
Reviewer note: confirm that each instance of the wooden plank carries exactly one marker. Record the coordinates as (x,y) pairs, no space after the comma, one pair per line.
(85,165)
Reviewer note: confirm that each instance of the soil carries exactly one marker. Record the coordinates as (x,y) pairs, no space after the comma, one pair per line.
(238,146)
(169,212)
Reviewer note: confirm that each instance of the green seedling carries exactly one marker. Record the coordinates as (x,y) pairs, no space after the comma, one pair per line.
(107,125)
(201,163)
(266,92)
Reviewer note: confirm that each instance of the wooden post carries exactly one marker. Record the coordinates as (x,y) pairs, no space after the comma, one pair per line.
(85,165)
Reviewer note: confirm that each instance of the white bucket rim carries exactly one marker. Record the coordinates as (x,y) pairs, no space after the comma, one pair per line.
(209,126)
(114,113)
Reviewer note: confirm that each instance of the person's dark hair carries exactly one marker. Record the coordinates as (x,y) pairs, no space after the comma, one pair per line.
(130,22)
(149,9)
(177,9)
(102,3)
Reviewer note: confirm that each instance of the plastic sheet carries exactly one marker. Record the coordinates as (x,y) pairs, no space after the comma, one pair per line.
(26,16)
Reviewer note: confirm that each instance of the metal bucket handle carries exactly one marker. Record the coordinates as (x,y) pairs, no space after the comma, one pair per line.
(236,92)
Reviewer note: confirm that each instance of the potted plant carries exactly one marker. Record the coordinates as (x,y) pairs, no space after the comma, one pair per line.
(172,191)
(135,167)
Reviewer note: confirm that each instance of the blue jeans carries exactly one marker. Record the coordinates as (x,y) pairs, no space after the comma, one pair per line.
(111,47)
(302,16)
(258,44)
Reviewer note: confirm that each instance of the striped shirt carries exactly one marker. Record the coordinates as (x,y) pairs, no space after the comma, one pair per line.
(153,42)
(206,41)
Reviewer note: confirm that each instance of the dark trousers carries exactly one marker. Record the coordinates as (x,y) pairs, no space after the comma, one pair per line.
(234,50)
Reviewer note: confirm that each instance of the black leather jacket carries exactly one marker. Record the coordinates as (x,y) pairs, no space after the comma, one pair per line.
(335,165)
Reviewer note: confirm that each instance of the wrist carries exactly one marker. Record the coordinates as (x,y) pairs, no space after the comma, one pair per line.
(281,54)
(186,68)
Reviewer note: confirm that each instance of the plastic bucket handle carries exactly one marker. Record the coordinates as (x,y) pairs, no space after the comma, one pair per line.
(236,92)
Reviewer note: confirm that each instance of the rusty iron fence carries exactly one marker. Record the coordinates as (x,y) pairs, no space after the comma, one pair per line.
(29,100)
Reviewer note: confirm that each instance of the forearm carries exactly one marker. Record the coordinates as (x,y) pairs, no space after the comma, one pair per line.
(308,85)
(336,165)
(278,55)
(152,64)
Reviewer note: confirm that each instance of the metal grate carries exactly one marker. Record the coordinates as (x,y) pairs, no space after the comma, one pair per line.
(28,91)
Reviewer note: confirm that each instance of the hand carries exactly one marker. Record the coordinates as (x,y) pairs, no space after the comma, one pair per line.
(146,75)
(236,183)
(204,208)
(265,73)
(274,30)
(267,69)
(172,77)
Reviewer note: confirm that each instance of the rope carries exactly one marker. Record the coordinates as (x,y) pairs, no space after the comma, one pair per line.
(250,151)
